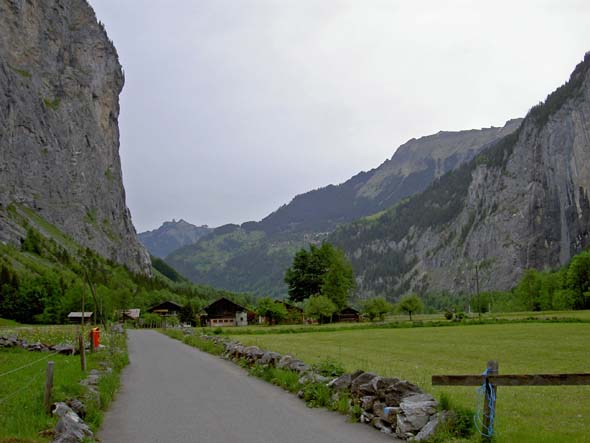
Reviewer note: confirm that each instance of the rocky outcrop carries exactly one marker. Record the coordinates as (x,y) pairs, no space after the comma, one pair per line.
(522,203)
(172,235)
(60,80)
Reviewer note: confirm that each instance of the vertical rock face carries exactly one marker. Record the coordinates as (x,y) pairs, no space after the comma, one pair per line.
(522,203)
(60,80)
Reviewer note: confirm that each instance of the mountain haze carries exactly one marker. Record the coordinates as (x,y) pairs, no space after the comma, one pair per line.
(254,256)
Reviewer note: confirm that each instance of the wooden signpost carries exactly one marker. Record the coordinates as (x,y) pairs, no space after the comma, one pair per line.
(491,379)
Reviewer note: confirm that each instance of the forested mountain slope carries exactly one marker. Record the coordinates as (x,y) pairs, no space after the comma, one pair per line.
(255,255)
(522,203)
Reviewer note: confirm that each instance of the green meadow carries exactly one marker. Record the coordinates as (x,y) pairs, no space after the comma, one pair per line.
(524,414)
(22,381)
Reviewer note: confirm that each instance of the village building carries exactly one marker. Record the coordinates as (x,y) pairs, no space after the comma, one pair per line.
(166,309)
(224,312)
(76,317)
(348,314)
(129,315)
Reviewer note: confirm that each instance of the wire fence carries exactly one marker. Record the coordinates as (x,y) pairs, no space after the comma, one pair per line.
(20,368)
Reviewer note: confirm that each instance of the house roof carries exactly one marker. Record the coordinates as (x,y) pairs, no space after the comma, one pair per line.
(349,310)
(166,306)
(79,314)
(289,305)
(132,313)
(224,302)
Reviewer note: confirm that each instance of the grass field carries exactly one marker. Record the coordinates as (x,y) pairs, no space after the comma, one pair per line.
(524,414)
(21,392)
(402,321)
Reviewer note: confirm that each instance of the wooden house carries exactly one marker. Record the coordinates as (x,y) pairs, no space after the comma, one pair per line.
(130,314)
(224,312)
(166,309)
(348,314)
(76,317)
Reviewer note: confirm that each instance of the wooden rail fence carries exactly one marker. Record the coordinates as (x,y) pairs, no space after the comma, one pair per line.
(491,379)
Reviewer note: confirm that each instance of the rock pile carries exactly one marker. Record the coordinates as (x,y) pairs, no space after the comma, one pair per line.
(14,342)
(396,407)
(70,427)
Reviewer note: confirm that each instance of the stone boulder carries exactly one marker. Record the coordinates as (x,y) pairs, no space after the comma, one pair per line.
(64,349)
(312,377)
(341,383)
(70,428)
(362,379)
(395,393)
(269,358)
(284,362)
(414,413)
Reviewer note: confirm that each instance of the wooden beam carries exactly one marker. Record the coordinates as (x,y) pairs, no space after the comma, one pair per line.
(513,380)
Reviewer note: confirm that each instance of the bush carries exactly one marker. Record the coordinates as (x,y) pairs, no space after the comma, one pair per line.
(459,424)
(317,395)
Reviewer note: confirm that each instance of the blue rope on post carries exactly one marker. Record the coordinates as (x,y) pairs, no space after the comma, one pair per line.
(484,421)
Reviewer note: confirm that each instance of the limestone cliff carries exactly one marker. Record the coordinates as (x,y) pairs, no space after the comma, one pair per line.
(522,203)
(60,80)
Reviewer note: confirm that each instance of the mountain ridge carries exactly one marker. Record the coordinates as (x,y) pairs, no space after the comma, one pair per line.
(522,203)
(253,256)
(172,235)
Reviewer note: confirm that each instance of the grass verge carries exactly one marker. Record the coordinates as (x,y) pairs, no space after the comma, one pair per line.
(524,414)
(22,417)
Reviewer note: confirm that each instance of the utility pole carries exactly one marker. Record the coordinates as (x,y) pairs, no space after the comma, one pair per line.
(477,290)
(81,339)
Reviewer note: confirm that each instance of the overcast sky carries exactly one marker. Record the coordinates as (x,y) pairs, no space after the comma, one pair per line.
(232,107)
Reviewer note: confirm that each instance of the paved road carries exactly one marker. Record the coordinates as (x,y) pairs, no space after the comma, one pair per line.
(173,393)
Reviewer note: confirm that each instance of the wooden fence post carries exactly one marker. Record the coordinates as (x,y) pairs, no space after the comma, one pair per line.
(48,387)
(82,351)
(489,404)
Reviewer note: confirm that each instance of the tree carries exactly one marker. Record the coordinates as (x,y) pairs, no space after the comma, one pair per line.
(410,304)
(188,313)
(271,309)
(321,270)
(319,307)
(578,279)
(376,308)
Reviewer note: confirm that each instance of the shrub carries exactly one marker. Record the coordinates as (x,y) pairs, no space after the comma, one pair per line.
(459,424)
(329,368)
(317,395)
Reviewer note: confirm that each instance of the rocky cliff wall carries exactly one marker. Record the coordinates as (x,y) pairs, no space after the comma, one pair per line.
(522,203)
(60,80)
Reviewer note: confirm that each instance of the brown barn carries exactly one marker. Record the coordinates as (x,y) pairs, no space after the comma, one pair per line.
(166,309)
(224,312)
(348,314)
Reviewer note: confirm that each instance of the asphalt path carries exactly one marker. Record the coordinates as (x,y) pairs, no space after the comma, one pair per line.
(173,393)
